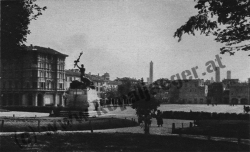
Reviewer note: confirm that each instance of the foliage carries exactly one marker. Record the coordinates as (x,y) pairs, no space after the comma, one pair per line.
(118,142)
(229,17)
(160,89)
(125,87)
(15,18)
(111,93)
(159,85)
(174,93)
(144,103)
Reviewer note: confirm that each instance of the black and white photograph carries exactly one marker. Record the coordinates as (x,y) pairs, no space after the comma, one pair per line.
(125,75)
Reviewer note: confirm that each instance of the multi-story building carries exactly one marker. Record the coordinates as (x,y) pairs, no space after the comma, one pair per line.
(215,93)
(229,82)
(36,78)
(192,91)
(239,93)
(71,75)
(100,82)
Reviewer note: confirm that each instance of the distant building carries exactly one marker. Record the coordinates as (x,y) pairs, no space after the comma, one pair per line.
(193,92)
(133,81)
(100,82)
(207,82)
(215,93)
(217,74)
(239,93)
(229,82)
(36,78)
(71,75)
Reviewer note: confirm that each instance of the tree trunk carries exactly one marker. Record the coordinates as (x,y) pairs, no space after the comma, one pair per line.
(146,129)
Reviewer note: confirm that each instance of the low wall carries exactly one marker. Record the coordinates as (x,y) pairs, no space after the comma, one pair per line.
(204,115)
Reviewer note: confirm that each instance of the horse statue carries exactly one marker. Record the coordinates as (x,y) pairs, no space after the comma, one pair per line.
(85,82)
(246,109)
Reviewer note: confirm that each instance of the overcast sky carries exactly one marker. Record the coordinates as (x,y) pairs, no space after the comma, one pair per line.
(121,37)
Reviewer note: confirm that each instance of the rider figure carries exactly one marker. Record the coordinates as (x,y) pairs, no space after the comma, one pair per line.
(82,70)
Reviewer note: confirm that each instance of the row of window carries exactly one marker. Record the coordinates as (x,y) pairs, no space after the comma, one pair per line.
(50,66)
(191,99)
(30,85)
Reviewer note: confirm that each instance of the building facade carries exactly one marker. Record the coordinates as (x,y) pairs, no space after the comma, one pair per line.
(215,93)
(239,93)
(101,83)
(193,92)
(34,79)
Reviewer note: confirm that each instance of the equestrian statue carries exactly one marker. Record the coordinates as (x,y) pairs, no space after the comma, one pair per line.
(85,82)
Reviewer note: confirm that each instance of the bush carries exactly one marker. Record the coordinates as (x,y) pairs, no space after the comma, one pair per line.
(204,115)
(48,125)
(43,109)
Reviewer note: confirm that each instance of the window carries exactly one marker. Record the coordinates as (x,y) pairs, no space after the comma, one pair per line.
(16,84)
(34,85)
(60,86)
(28,85)
(4,83)
(10,84)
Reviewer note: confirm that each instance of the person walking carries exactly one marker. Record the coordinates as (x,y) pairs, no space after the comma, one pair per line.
(159,118)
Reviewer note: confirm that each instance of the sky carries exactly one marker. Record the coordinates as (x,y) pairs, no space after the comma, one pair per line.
(121,37)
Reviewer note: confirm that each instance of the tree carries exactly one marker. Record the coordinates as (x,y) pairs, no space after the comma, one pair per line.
(125,87)
(144,103)
(15,18)
(160,88)
(111,93)
(228,20)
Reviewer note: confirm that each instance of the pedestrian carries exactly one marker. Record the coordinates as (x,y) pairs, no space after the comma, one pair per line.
(159,118)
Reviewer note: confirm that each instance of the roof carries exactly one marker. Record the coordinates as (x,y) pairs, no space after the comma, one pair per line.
(44,50)
(114,83)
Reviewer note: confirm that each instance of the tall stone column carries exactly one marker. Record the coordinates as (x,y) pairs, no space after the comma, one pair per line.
(55,99)
(19,99)
(61,100)
(7,99)
(43,99)
(35,99)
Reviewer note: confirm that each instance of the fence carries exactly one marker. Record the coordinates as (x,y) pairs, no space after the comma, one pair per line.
(186,129)
(63,124)
(204,115)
